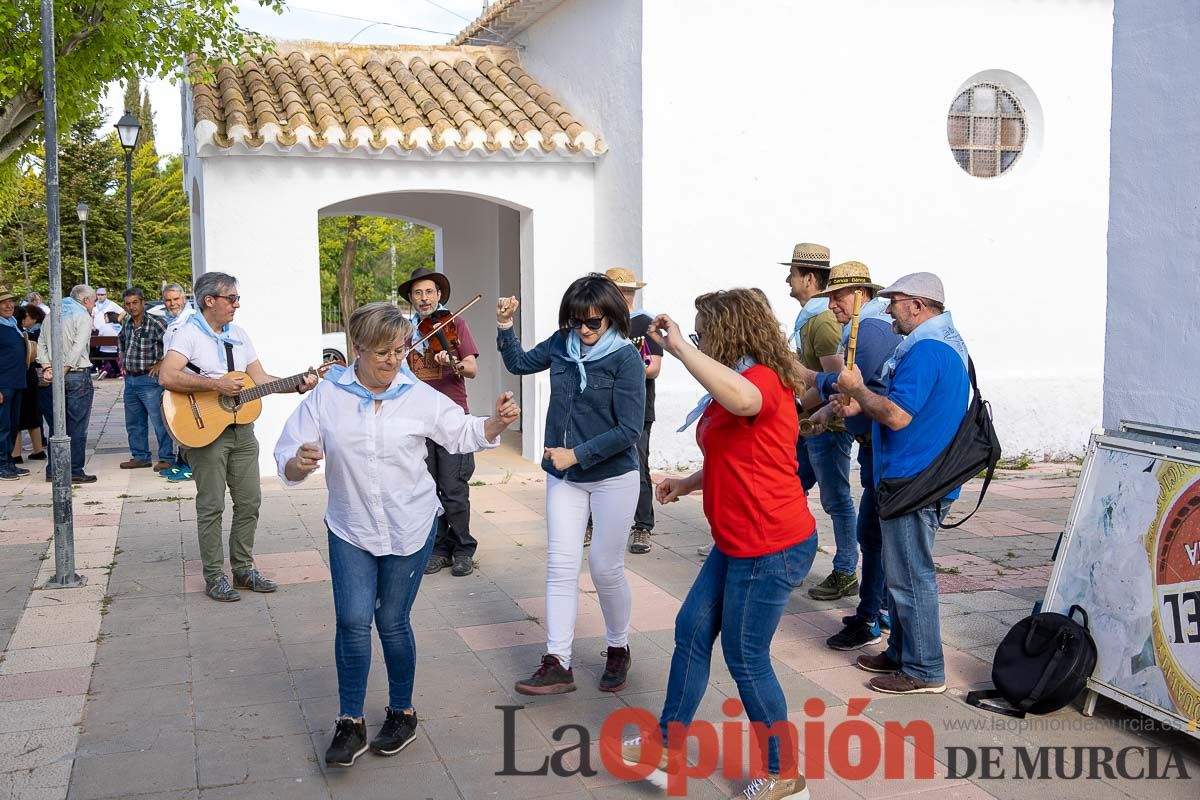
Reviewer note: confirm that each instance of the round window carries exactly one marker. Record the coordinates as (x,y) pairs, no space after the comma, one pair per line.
(986,128)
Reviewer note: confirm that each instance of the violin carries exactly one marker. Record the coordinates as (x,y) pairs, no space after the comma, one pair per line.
(442,332)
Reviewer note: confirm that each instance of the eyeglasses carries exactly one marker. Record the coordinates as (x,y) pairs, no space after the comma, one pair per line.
(695,337)
(593,324)
(233,299)
(387,355)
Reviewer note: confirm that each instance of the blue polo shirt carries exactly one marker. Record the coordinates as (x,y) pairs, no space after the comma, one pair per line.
(932,385)
(12,359)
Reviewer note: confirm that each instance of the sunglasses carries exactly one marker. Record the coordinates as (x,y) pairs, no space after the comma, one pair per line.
(593,324)
(233,299)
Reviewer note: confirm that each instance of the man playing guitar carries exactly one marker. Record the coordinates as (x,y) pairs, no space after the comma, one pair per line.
(202,352)
(444,364)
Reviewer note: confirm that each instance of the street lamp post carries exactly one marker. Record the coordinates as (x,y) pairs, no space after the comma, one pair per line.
(82,211)
(127,130)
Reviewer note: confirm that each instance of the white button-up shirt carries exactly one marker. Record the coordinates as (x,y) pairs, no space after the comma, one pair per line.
(381,496)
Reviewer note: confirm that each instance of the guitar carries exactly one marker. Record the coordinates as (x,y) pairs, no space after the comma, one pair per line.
(198,418)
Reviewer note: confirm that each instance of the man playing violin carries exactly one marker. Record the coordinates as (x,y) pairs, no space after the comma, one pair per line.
(444,362)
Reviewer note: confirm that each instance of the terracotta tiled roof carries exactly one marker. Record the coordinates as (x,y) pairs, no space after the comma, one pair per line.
(380,100)
(503,20)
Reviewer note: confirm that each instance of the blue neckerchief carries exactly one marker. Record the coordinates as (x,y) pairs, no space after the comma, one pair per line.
(34,328)
(416,334)
(172,317)
(609,342)
(744,363)
(940,328)
(875,309)
(200,322)
(403,381)
(10,322)
(640,312)
(71,307)
(812,308)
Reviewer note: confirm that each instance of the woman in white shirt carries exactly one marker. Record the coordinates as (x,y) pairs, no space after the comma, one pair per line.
(370,421)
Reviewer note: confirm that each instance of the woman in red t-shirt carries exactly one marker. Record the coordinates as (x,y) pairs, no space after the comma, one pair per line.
(760,522)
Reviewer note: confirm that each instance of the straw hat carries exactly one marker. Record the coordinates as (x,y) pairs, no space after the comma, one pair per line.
(810,256)
(624,278)
(5,294)
(849,275)
(423,274)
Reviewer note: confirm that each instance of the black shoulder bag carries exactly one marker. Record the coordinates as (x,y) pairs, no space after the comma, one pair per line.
(974,448)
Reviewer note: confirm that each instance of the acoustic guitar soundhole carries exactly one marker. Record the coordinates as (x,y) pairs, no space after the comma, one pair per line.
(230,404)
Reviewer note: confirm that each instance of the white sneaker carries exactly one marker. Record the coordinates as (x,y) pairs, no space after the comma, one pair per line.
(704,551)
(773,787)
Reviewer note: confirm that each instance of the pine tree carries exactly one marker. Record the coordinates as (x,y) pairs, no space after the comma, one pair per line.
(146,120)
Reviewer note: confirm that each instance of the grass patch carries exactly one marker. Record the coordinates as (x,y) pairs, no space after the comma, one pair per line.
(1020,462)
(947,570)
(1010,554)
(170,499)
(477,483)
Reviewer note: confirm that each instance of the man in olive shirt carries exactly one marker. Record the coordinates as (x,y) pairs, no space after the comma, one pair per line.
(824,458)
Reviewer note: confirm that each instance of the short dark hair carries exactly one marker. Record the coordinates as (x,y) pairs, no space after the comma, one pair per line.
(30,310)
(594,291)
(821,276)
(134,291)
(111,316)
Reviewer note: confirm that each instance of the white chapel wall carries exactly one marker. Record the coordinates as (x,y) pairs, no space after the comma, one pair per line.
(588,54)
(261,225)
(778,121)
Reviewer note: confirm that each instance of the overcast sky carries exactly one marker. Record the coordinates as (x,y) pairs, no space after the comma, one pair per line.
(316,19)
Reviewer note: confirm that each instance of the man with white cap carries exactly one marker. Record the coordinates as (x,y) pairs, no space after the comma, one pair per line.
(928,390)
(103,306)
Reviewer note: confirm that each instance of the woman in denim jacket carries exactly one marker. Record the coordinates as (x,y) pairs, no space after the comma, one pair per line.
(597,404)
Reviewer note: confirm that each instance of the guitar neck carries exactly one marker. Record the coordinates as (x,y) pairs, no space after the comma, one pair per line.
(287,384)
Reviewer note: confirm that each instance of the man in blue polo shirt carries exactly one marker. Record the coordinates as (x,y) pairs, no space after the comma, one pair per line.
(927,395)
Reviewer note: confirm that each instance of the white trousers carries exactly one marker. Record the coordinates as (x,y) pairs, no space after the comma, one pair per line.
(611,503)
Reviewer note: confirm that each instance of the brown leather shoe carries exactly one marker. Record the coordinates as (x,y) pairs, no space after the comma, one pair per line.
(903,683)
(878,663)
(159,466)
(133,463)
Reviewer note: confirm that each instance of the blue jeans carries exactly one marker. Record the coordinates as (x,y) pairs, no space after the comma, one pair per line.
(143,407)
(79,391)
(916,639)
(742,599)
(829,454)
(10,424)
(804,470)
(382,588)
(871,590)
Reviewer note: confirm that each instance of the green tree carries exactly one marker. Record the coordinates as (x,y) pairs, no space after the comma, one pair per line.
(97,42)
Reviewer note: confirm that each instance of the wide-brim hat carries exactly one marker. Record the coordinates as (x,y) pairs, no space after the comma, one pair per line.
(849,275)
(423,274)
(5,294)
(624,278)
(809,256)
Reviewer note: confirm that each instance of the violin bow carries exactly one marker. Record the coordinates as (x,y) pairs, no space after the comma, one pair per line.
(437,328)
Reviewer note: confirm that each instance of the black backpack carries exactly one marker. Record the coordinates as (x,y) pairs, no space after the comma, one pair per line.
(1042,665)
(974,448)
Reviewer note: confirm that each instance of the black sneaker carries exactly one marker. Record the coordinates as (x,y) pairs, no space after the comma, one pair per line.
(856,634)
(884,622)
(21,471)
(83,478)
(349,742)
(616,668)
(10,475)
(437,564)
(254,580)
(550,678)
(397,733)
(462,565)
(221,591)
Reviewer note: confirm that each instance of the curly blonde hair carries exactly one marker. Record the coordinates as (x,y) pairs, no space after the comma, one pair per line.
(740,322)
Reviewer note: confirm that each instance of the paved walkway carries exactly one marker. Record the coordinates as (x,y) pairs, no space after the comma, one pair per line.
(138,686)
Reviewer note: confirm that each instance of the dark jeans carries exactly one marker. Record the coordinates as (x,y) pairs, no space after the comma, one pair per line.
(804,470)
(916,639)
(143,408)
(643,517)
(452,473)
(79,391)
(382,588)
(742,599)
(871,590)
(10,424)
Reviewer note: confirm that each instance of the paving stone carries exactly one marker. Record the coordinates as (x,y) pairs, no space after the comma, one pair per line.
(235,761)
(242,691)
(280,789)
(251,722)
(114,774)
(40,714)
(157,701)
(172,734)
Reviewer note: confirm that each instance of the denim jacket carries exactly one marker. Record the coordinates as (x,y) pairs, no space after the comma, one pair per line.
(602,423)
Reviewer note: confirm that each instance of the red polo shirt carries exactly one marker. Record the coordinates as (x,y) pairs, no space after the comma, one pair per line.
(752,498)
